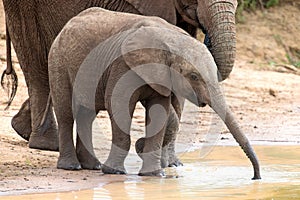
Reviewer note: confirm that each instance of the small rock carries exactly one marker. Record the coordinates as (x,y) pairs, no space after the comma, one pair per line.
(272,92)
(2,36)
(224,138)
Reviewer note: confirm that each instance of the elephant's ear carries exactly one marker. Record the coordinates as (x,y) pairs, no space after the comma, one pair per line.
(161,8)
(145,52)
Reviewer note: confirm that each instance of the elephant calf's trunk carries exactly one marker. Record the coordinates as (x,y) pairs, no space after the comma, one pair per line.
(242,140)
(227,116)
(252,156)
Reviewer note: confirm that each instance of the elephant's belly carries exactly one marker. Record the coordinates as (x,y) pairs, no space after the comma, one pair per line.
(99,99)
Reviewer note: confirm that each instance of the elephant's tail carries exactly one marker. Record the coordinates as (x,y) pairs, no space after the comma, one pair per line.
(10,72)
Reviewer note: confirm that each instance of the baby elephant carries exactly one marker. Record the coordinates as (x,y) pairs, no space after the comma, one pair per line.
(104,60)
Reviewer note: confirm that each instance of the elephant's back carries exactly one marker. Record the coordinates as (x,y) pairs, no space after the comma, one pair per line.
(97,27)
(96,24)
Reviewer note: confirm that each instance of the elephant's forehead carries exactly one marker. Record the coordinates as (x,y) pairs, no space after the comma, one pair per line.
(198,56)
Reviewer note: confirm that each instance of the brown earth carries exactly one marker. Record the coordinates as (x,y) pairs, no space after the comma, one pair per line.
(263,91)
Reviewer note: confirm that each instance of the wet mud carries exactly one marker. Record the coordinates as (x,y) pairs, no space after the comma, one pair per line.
(223,174)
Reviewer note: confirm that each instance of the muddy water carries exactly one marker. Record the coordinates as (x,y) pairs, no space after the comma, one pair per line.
(224,174)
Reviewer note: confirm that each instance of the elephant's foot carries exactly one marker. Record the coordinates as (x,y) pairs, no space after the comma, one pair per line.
(168,158)
(113,170)
(158,173)
(21,122)
(166,161)
(68,164)
(47,140)
(93,164)
(175,163)
(173,160)
(88,161)
(150,165)
(22,127)
(115,161)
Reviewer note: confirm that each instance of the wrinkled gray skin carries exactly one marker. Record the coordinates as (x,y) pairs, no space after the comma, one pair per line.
(33,25)
(152,51)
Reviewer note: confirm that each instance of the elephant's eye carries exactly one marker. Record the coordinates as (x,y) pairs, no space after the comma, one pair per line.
(194,76)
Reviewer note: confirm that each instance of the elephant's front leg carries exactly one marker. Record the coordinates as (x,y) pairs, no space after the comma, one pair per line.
(172,130)
(157,113)
(168,157)
(120,123)
(84,145)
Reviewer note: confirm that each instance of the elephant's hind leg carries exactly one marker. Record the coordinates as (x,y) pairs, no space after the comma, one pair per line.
(62,103)
(44,139)
(84,145)
(21,122)
(67,156)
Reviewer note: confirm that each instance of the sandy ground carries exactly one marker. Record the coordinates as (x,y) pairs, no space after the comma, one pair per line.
(263,91)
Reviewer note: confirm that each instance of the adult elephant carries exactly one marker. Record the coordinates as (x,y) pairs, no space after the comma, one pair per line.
(34,24)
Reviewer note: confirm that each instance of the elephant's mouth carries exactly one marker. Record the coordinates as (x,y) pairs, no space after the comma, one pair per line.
(196,100)
(202,104)
(187,12)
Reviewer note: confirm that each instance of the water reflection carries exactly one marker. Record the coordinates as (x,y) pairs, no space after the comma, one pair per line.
(224,174)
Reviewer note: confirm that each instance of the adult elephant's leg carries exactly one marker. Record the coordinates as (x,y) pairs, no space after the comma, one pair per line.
(43,136)
(21,122)
(84,145)
(31,49)
(27,122)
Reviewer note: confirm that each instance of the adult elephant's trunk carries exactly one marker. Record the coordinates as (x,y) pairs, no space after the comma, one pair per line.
(218,19)
(218,104)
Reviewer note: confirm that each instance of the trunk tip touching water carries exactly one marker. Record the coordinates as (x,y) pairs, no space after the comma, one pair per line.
(252,156)
(227,116)
(243,141)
